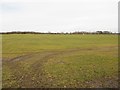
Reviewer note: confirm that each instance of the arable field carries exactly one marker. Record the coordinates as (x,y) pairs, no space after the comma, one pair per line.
(56,61)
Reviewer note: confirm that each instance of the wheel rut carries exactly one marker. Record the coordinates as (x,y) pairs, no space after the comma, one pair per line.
(33,75)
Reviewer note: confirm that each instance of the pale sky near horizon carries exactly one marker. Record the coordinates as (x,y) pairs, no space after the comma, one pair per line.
(59,15)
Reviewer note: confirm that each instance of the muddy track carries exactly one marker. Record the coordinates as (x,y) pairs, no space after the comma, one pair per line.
(35,76)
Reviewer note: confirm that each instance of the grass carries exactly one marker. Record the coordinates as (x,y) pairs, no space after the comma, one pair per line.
(46,60)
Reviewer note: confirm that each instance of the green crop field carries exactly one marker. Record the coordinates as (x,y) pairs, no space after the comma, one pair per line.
(54,61)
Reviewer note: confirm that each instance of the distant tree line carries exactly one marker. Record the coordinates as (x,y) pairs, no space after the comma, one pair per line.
(77,32)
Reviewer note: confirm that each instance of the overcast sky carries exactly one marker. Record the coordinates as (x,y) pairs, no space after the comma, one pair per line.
(59,15)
